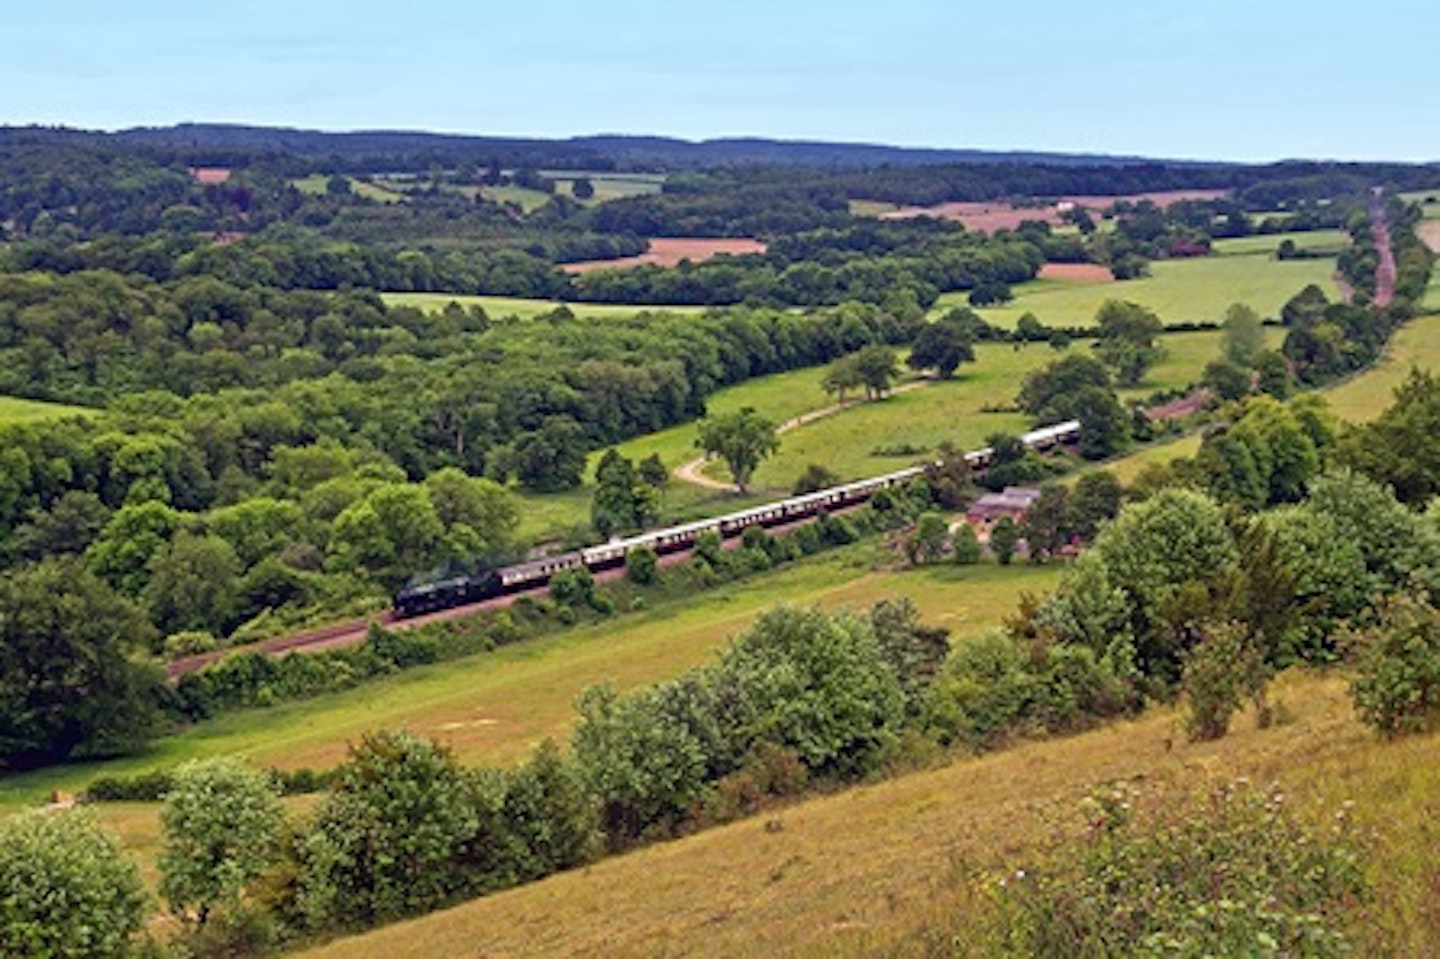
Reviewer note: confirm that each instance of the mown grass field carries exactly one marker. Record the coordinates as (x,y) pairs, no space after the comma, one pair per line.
(885,869)
(16,410)
(1328,241)
(844,441)
(527,200)
(1178,291)
(495,707)
(527,309)
(608,186)
(317,183)
(954,410)
(1417,344)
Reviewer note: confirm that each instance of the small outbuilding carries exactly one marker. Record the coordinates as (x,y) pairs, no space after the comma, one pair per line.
(1013,501)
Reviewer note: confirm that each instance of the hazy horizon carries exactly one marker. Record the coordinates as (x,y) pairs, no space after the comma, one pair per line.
(1226,80)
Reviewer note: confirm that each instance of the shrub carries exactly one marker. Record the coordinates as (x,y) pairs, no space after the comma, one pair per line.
(1233,873)
(641,566)
(1219,671)
(573,587)
(68,890)
(221,825)
(387,842)
(1396,685)
(966,545)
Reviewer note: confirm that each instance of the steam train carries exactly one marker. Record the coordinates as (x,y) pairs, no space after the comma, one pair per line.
(483,583)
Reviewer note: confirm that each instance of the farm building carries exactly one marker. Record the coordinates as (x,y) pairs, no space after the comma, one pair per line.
(1013,501)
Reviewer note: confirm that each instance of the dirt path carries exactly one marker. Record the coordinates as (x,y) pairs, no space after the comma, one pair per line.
(692,472)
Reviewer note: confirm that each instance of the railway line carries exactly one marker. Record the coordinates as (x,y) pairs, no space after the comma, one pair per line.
(457,598)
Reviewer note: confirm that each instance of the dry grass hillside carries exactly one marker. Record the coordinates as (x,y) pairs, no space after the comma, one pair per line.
(891,868)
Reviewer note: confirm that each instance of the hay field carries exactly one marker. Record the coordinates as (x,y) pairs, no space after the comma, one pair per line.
(886,869)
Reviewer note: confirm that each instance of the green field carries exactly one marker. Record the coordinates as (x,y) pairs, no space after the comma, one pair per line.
(528,309)
(1178,291)
(528,200)
(316,184)
(494,707)
(1416,344)
(608,186)
(1429,201)
(953,410)
(1326,241)
(871,207)
(844,441)
(16,410)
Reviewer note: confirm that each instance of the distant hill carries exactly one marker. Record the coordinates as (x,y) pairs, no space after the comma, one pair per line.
(215,143)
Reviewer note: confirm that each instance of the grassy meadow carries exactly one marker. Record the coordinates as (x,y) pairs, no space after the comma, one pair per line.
(527,309)
(845,441)
(495,707)
(16,410)
(1177,290)
(893,868)
(1322,241)
(317,183)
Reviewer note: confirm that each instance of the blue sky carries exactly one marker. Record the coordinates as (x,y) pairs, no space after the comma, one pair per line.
(1221,79)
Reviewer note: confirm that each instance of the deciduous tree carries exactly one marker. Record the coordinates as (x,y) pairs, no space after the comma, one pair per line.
(742,439)
(68,890)
(220,829)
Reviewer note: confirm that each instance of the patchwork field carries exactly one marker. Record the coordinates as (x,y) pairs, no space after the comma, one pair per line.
(670,251)
(1177,290)
(608,186)
(988,216)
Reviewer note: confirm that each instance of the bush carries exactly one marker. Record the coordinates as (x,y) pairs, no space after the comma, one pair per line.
(68,890)
(573,587)
(388,841)
(1219,672)
(1396,686)
(641,566)
(966,545)
(1233,873)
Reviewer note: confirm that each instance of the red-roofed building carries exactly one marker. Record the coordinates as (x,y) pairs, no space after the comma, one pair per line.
(1013,501)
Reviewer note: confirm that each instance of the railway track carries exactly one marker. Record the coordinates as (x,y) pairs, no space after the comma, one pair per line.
(352,632)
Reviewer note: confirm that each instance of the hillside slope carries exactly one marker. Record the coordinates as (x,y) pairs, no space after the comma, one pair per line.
(875,868)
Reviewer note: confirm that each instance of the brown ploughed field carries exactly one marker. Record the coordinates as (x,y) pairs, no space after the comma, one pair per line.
(669,251)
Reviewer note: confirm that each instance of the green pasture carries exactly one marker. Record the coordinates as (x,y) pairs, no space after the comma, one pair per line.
(495,707)
(844,441)
(871,207)
(1429,201)
(1322,241)
(1360,398)
(15,410)
(528,200)
(526,309)
(608,186)
(1178,291)
(315,185)
(1363,397)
